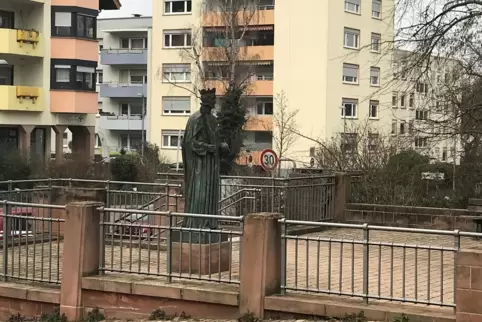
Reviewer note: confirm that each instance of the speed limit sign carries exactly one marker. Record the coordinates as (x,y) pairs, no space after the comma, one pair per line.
(268,160)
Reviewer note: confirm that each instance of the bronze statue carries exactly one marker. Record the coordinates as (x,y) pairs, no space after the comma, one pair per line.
(201,148)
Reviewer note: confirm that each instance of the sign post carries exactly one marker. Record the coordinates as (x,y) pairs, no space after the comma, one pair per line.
(268,160)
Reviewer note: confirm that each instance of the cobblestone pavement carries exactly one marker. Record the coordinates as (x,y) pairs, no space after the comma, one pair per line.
(414,267)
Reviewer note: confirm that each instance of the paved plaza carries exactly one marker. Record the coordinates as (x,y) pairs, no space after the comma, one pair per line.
(329,262)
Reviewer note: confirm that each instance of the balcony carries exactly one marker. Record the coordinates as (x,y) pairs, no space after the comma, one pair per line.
(121,122)
(21,98)
(69,101)
(259,123)
(123,57)
(247,53)
(119,90)
(21,42)
(263,16)
(255,88)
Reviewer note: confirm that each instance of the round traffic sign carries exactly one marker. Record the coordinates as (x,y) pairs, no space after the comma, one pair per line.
(268,159)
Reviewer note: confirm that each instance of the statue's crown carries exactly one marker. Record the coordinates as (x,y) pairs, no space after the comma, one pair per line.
(208,91)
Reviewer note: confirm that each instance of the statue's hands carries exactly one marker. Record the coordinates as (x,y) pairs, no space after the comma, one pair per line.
(211,148)
(225,147)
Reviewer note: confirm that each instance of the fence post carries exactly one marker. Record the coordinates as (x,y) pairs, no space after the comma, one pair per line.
(5,235)
(81,254)
(341,195)
(366,261)
(260,266)
(468,292)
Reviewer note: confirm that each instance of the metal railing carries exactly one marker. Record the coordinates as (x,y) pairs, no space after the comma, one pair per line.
(32,244)
(301,198)
(372,262)
(160,246)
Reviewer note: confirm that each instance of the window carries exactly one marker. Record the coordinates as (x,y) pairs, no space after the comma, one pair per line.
(394,100)
(62,73)
(349,142)
(375,76)
(133,43)
(352,6)
(422,88)
(177,38)
(63,23)
(130,141)
(263,137)
(411,100)
(394,127)
(100,77)
(402,127)
(436,153)
(373,140)
(176,105)
(373,112)
(421,115)
(137,76)
(264,108)
(410,126)
(349,107)
(376,9)
(74,24)
(420,142)
(76,77)
(376,42)
(6,75)
(444,154)
(350,73)
(352,38)
(395,70)
(7,19)
(84,78)
(402,101)
(176,73)
(172,138)
(177,6)
(85,26)
(131,109)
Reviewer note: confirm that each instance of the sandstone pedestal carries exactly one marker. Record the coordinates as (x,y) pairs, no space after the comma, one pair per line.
(201,259)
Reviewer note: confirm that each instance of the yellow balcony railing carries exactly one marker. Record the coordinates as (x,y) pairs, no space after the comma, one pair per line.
(21,42)
(21,98)
(28,37)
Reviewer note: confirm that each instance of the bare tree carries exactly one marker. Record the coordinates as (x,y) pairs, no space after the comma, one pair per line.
(284,124)
(220,57)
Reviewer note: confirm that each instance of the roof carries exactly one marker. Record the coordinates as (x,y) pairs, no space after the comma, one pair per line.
(109,4)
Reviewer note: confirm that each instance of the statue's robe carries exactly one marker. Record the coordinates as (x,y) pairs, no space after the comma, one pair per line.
(200,155)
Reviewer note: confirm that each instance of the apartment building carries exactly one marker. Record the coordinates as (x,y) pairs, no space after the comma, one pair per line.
(180,24)
(422,112)
(122,78)
(48,51)
(332,71)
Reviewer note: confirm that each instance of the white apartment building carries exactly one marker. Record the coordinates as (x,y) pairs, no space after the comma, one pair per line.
(123,75)
(332,69)
(122,78)
(421,112)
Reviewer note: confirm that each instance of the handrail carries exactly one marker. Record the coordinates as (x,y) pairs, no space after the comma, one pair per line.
(239,192)
(236,202)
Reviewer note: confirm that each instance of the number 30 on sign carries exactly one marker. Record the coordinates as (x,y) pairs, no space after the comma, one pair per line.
(268,160)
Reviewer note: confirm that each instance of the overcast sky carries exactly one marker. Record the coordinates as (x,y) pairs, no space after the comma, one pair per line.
(129,7)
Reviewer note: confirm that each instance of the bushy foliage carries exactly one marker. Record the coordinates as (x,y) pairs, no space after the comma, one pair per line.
(13,165)
(231,119)
(124,167)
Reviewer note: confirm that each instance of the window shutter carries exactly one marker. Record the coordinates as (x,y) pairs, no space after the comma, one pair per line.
(176,68)
(350,70)
(178,104)
(377,4)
